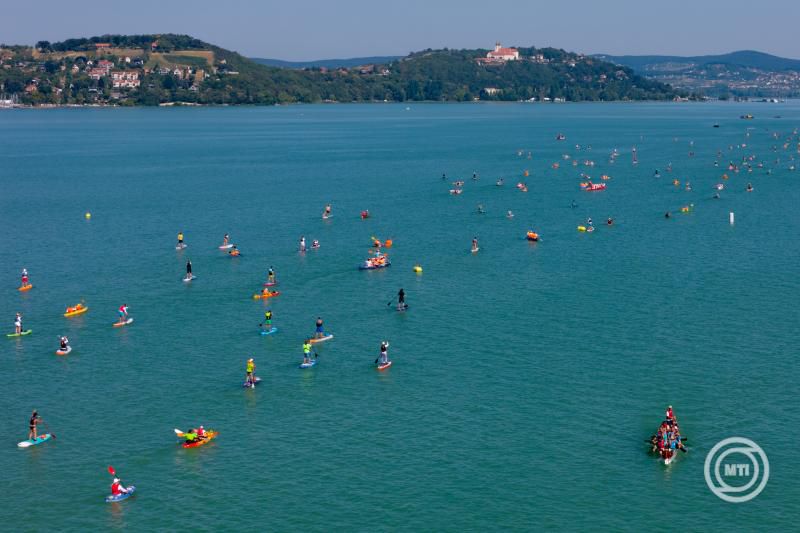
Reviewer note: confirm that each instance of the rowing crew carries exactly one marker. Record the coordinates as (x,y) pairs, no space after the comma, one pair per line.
(668,438)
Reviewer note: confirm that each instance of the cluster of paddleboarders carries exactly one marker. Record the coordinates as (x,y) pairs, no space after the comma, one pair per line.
(667,440)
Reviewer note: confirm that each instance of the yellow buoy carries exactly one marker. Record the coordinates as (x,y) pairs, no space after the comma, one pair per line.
(581,228)
(418,269)
(88,215)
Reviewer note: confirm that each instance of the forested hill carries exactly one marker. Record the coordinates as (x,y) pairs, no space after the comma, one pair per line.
(165,69)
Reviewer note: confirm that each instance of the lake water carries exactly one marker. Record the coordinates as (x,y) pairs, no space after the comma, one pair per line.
(526,377)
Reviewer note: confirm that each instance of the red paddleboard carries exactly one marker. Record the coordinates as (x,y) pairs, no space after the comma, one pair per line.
(384,366)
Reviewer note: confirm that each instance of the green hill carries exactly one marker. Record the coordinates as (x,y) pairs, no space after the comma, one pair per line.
(168,68)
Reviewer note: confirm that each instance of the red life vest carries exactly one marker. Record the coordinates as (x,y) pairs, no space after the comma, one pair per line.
(115,489)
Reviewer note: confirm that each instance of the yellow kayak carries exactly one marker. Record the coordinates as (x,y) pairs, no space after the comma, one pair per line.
(77,310)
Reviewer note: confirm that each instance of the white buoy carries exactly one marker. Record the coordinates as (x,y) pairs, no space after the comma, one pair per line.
(730,217)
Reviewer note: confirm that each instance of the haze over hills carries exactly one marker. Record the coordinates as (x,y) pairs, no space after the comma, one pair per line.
(742,73)
(327,63)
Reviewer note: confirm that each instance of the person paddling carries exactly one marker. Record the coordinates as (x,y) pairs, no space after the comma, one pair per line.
(307,352)
(268,320)
(383,358)
(18,323)
(123,313)
(64,343)
(189,270)
(117,488)
(226,239)
(401,300)
(24,277)
(180,239)
(474,244)
(191,436)
(250,376)
(270,275)
(33,430)
(302,244)
(320,331)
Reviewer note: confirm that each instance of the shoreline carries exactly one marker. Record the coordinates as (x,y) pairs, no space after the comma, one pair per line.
(422,102)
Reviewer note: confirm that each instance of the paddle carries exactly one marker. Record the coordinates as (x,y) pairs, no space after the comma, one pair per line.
(46,428)
(178,432)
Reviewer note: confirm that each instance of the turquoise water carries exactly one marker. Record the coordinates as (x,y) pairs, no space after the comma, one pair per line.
(525,378)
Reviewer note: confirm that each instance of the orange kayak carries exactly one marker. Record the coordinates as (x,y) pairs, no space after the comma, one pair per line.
(210,435)
(77,310)
(27,287)
(262,296)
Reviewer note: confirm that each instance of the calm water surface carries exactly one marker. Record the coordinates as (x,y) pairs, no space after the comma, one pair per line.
(526,377)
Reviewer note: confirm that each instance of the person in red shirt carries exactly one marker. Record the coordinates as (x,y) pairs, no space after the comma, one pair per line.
(670,415)
(117,488)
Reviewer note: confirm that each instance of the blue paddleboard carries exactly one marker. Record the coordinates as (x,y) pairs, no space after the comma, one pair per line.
(34,442)
(272,330)
(308,365)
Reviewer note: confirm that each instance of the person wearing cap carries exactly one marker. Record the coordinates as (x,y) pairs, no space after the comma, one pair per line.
(250,378)
(18,323)
(117,488)
(384,357)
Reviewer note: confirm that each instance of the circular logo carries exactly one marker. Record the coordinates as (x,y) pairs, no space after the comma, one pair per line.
(743,473)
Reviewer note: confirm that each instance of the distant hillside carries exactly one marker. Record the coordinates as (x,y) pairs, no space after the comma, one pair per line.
(168,69)
(743,73)
(743,58)
(326,63)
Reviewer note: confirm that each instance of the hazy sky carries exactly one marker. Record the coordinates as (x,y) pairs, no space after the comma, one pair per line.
(311,29)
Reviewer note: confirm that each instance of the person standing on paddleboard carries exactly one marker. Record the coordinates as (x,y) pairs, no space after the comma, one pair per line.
(123,313)
(268,320)
(33,432)
(180,239)
(250,376)
(401,299)
(270,275)
(24,277)
(18,323)
(474,244)
(189,269)
(320,331)
(64,343)
(302,243)
(226,239)
(384,357)
(327,212)
(307,352)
